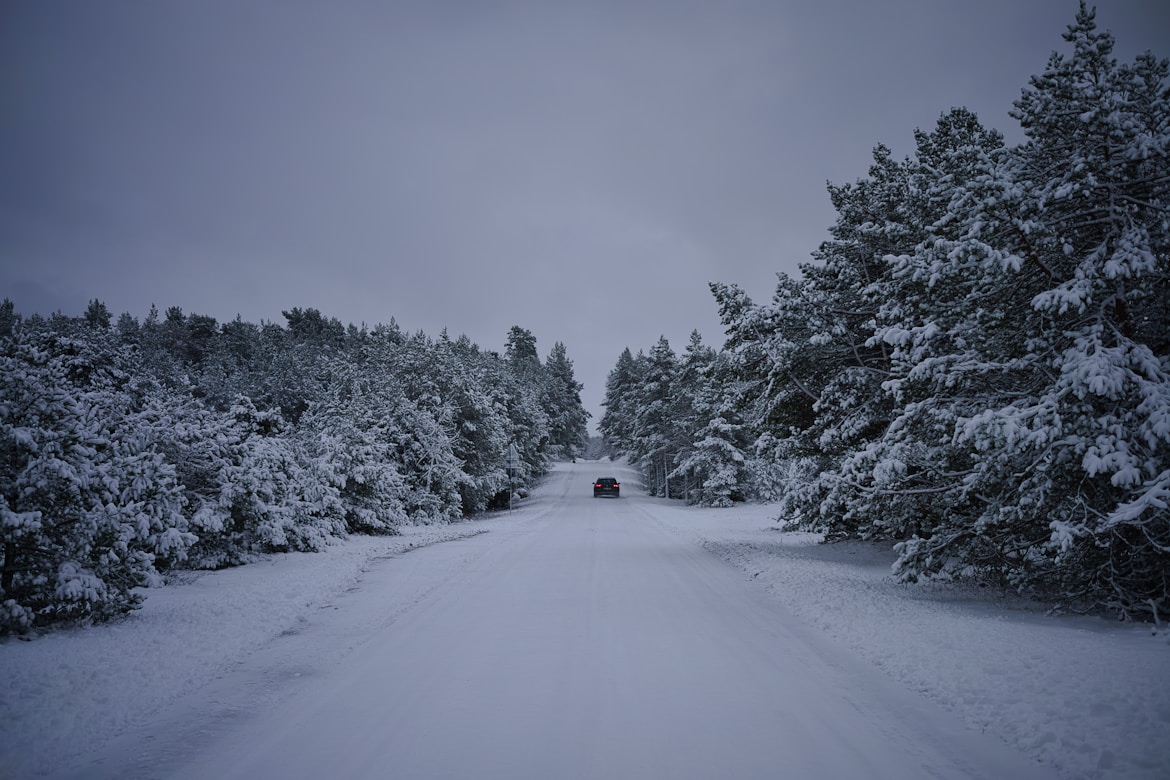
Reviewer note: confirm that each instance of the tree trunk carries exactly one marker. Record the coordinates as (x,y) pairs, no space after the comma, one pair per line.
(9,571)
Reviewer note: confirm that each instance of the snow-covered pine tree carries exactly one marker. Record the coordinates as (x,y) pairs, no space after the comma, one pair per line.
(89,509)
(656,439)
(1063,265)
(879,447)
(803,377)
(424,424)
(715,465)
(274,497)
(472,381)
(9,319)
(232,366)
(568,420)
(350,439)
(689,418)
(617,422)
(529,421)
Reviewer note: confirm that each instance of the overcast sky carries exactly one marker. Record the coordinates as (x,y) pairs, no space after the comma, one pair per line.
(580,169)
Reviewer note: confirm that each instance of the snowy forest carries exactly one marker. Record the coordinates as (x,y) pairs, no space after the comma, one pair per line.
(975,366)
(133,448)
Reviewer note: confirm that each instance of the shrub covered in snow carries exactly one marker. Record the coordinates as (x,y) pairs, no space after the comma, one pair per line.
(130,449)
(89,508)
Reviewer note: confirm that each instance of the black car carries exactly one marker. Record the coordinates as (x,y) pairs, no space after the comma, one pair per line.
(606,486)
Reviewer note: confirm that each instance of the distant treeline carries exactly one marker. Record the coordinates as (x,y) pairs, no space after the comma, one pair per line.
(130,448)
(976,365)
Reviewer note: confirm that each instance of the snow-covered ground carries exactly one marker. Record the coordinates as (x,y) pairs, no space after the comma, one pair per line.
(1087,697)
(66,693)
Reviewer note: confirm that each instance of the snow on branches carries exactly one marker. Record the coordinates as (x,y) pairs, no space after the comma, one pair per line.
(130,450)
(977,364)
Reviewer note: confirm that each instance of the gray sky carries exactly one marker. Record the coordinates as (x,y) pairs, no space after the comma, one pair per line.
(580,169)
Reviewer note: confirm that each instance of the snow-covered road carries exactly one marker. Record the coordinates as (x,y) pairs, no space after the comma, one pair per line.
(582,639)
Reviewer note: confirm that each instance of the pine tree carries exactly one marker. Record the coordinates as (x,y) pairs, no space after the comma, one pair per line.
(1054,372)
(97,315)
(89,508)
(9,319)
(568,420)
(529,420)
(617,422)
(713,466)
(656,441)
(350,437)
(470,381)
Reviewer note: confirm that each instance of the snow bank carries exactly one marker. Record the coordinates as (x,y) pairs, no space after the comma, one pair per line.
(1088,696)
(64,694)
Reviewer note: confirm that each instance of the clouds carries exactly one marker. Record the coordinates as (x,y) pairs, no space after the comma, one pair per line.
(579,169)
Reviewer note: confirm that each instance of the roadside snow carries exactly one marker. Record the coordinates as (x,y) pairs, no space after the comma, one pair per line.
(64,694)
(1088,696)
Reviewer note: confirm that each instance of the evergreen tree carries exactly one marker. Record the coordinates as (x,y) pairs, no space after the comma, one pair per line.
(9,319)
(471,382)
(656,441)
(97,315)
(529,420)
(1065,245)
(89,508)
(568,420)
(520,350)
(617,422)
(350,436)
(712,462)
